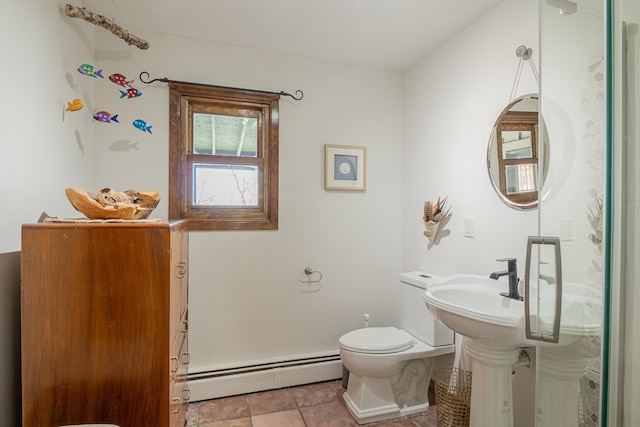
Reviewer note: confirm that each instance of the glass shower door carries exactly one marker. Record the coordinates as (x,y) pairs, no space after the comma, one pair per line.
(573,109)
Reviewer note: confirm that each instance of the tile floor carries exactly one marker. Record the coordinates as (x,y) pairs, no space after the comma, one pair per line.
(311,405)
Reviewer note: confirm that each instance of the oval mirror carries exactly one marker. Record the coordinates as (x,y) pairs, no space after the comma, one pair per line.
(513,154)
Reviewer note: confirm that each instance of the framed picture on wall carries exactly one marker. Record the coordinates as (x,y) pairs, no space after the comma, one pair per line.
(345,167)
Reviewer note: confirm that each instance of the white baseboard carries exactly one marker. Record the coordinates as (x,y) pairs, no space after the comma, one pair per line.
(205,387)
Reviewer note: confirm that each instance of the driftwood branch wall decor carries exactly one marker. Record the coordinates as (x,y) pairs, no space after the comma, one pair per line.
(109,24)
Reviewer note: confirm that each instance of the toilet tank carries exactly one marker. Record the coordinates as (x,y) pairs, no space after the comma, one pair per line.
(415,317)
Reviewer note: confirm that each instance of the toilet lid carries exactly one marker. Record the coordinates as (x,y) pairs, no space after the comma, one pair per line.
(376,340)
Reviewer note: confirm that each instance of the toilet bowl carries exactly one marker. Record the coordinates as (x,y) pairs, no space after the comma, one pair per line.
(390,368)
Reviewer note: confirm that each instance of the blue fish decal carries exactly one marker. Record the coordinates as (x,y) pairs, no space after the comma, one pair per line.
(106,117)
(88,70)
(142,125)
(130,93)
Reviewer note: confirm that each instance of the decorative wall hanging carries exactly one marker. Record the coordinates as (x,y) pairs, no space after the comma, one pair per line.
(436,216)
(345,167)
(89,70)
(120,80)
(132,92)
(74,105)
(105,117)
(142,125)
(109,24)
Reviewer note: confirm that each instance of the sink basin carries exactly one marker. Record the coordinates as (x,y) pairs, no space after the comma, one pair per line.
(472,306)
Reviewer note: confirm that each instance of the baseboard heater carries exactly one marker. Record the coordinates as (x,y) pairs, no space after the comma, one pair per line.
(214,383)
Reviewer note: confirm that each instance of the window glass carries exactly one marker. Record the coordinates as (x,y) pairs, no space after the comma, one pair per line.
(521,178)
(516,144)
(225,185)
(225,135)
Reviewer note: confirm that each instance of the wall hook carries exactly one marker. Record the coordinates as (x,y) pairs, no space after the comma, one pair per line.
(524,52)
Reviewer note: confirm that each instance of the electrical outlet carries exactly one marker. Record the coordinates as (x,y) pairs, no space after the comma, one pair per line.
(469,226)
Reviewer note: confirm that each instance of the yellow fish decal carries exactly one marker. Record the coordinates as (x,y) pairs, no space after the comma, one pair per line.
(74,105)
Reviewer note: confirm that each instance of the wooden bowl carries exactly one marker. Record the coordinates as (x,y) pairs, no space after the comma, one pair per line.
(143,204)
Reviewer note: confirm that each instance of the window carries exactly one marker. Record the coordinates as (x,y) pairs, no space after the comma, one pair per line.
(518,156)
(223,157)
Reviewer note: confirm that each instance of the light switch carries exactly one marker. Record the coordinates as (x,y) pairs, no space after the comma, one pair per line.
(566,229)
(469,226)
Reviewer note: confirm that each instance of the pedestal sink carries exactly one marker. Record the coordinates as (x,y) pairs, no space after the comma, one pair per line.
(494,328)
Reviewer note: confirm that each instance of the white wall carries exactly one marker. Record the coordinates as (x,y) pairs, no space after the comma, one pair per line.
(44,149)
(246,301)
(451,101)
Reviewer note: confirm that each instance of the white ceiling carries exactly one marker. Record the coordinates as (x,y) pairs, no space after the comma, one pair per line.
(389,34)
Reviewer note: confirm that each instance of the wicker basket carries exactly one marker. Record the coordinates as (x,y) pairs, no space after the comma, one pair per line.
(453,396)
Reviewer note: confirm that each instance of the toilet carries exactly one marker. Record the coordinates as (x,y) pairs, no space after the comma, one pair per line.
(390,368)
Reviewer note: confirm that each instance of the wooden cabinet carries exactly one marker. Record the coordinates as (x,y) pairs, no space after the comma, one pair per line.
(104,324)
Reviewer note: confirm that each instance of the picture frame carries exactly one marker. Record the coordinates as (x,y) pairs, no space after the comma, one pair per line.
(345,167)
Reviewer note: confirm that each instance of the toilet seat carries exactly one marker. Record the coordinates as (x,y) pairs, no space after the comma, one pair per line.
(377,340)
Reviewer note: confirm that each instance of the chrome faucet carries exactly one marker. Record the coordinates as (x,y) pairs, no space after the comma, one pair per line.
(512,272)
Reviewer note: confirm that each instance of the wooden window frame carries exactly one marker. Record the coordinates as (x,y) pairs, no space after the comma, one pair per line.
(184,100)
(521,121)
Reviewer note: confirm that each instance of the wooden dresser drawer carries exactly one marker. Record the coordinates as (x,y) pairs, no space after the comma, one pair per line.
(104,330)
